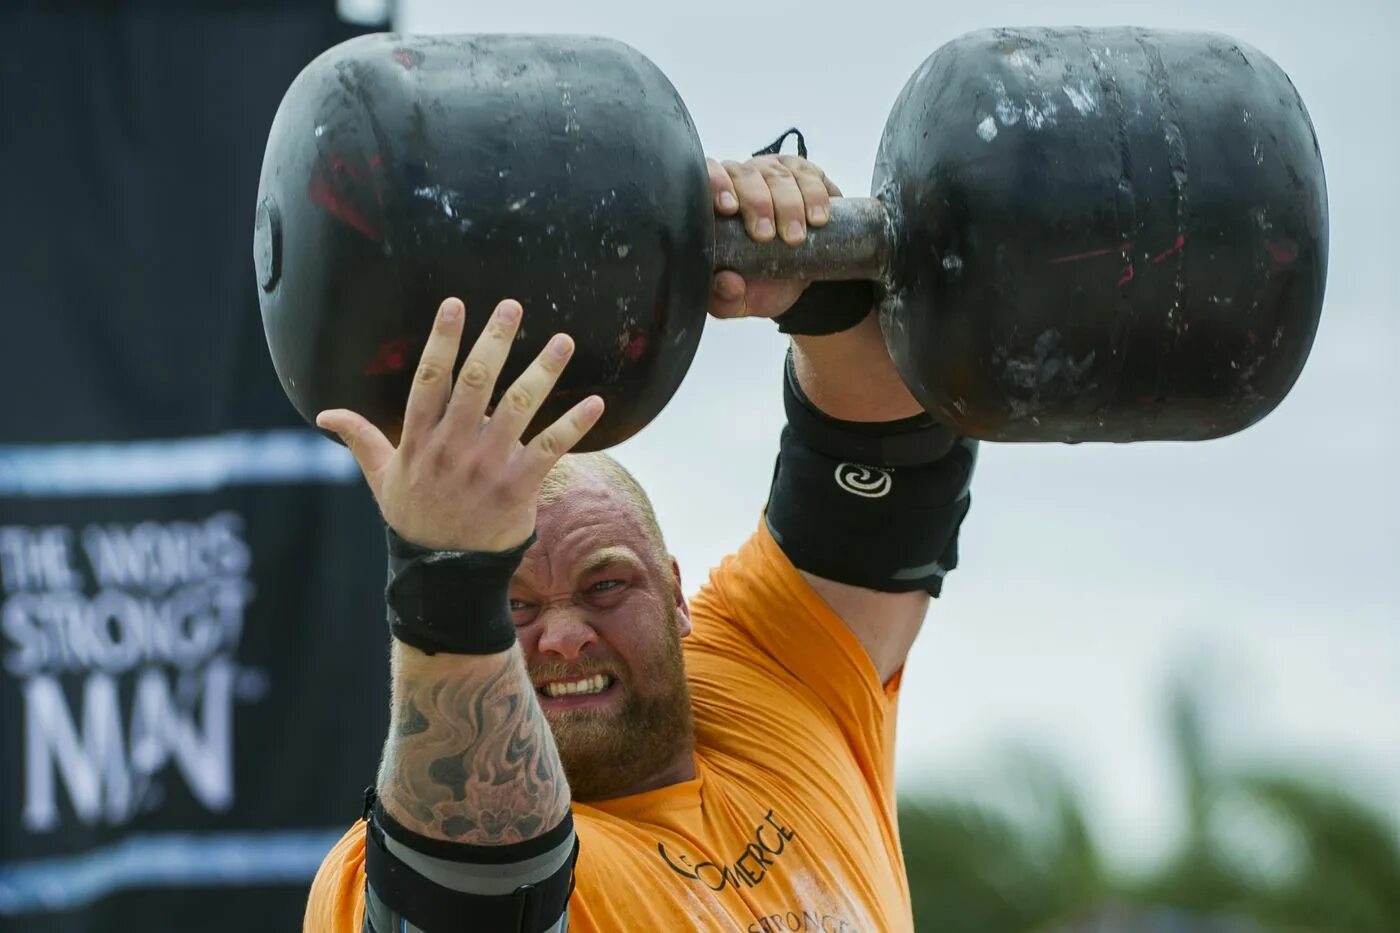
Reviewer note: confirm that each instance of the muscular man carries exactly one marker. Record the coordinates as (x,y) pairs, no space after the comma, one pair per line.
(573,744)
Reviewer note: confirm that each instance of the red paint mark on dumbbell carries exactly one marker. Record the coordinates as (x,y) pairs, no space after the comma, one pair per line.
(1127,275)
(1283,252)
(408,58)
(374,163)
(328,194)
(635,348)
(341,167)
(1106,251)
(390,358)
(1176,248)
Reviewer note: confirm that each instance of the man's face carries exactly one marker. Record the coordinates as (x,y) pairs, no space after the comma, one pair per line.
(600,617)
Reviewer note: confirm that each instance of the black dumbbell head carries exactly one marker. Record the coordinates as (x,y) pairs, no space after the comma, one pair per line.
(1103,234)
(563,172)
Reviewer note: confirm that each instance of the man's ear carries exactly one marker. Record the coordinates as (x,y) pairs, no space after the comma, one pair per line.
(682,607)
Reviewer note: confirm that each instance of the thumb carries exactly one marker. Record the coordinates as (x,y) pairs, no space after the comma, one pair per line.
(727,295)
(772,297)
(368,445)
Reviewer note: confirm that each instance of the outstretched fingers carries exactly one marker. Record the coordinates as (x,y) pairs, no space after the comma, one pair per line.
(432,381)
(472,393)
(368,445)
(520,402)
(561,437)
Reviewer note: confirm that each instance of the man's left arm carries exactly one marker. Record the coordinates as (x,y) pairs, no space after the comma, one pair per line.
(845,384)
(850,377)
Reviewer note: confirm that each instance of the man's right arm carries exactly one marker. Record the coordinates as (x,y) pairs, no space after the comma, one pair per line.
(470,757)
(471,828)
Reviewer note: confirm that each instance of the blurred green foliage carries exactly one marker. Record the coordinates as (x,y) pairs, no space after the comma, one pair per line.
(1260,852)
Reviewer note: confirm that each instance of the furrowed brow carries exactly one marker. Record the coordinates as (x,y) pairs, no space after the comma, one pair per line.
(608,557)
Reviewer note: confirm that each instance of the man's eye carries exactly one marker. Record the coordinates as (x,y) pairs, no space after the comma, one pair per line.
(604,586)
(517,605)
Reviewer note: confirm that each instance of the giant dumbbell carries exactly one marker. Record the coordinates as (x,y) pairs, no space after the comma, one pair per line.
(1075,235)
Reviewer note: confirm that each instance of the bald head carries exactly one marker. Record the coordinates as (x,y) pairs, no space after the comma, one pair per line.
(576,474)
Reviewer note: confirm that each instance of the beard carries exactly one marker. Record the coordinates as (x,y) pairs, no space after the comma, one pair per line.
(606,753)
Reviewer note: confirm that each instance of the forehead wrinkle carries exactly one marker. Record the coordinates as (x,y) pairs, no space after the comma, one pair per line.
(594,500)
(539,562)
(591,516)
(536,560)
(593,521)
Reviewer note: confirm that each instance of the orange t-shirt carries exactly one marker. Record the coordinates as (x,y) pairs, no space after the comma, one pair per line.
(789,823)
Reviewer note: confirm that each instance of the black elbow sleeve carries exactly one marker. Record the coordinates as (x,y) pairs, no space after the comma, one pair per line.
(423,885)
(875,505)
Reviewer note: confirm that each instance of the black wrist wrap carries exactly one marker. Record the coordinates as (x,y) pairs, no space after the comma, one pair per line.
(876,505)
(825,307)
(828,308)
(457,602)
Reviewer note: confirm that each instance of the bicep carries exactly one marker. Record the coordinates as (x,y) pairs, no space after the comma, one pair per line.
(885,624)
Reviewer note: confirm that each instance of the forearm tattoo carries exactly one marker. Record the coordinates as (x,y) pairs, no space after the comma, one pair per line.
(470,756)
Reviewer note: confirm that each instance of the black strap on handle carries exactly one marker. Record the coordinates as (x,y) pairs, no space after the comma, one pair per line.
(776,146)
(825,307)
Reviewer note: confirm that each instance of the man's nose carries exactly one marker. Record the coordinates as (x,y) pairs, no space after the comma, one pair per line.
(565,631)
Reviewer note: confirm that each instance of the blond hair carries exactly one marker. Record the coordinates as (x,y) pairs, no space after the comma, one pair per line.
(575,470)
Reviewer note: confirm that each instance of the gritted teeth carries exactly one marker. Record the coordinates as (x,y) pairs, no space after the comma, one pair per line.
(595,684)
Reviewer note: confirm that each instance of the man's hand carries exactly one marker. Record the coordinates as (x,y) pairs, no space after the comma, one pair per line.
(779,195)
(470,757)
(460,480)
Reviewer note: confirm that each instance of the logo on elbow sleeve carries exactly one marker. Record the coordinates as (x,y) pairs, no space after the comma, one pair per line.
(866,481)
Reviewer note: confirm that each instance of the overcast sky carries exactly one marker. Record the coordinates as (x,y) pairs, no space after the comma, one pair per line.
(1265,563)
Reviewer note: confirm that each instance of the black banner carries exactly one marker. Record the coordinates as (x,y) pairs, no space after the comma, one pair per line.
(192,642)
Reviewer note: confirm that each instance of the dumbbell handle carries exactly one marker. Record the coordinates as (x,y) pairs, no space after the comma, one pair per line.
(854,243)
